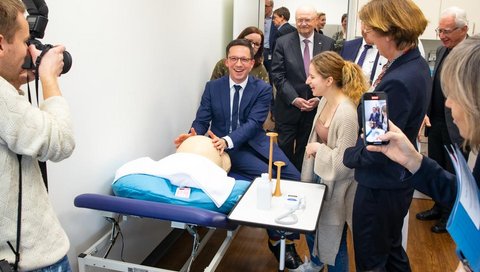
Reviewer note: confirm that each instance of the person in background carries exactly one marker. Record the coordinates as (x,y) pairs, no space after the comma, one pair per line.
(340,83)
(280,20)
(270,31)
(460,84)
(34,134)
(382,200)
(295,105)
(363,52)
(321,22)
(340,36)
(255,36)
(439,127)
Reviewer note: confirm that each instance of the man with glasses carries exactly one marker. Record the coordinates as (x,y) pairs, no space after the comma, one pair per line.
(295,106)
(232,111)
(439,127)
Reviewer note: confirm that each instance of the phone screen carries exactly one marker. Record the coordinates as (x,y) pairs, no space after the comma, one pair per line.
(375,117)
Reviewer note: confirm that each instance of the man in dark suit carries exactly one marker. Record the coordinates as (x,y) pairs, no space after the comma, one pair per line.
(234,118)
(238,129)
(269,31)
(280,20)
(295,106)
(440,129)
(363,52)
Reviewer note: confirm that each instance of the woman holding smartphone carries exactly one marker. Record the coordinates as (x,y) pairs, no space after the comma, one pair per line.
(460,84)
(382,199)
(341,84)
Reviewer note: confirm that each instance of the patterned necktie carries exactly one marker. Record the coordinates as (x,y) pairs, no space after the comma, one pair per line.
(236,99)
(384,69)
(306,57)
(363,55)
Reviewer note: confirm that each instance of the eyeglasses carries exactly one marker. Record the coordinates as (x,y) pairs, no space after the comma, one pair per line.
(367,30)
(304,20)
(445,31)
(242,60)
(254,44)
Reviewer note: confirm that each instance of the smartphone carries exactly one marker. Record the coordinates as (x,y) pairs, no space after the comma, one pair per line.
(375,117)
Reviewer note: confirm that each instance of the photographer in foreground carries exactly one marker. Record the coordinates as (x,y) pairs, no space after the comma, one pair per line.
(37,134)
(461,85)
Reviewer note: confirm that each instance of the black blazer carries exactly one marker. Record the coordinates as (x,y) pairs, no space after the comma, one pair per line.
(288,73)
(351,48)
(453,131)
(283,30)
(406,83)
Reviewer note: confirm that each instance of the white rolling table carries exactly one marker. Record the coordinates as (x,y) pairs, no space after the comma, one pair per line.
(247,213)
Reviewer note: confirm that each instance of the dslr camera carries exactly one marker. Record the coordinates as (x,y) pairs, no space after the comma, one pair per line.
(5,266)
(37,22)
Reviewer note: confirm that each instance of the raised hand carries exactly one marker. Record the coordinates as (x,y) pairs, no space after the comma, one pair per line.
(182,137)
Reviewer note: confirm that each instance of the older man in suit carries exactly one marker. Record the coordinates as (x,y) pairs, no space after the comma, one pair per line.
(440,129)
(232,111)
(295,106)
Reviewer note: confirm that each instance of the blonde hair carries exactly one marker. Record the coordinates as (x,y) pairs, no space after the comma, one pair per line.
(461,83)
(347,75)
(400,19)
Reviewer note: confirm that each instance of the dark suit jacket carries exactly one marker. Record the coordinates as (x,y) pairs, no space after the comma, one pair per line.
(405,83)
(288,74)
(273,36)
(441,185)
(351,48)
(451,127)
(350,52)
(284,29)
(214,113)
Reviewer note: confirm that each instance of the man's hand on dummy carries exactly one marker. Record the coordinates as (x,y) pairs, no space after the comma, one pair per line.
(182,137)
(219,143)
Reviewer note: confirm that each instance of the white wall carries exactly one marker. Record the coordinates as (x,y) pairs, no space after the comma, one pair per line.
(139,68)
(333,9)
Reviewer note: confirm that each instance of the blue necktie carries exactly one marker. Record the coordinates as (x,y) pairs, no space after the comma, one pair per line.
(236,99)
(363,55)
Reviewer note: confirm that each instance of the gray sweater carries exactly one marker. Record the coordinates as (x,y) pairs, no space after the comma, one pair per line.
(328,165)
(43,134)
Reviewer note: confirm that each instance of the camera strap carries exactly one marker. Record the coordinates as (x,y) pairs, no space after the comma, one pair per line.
(16,250)
(42,165)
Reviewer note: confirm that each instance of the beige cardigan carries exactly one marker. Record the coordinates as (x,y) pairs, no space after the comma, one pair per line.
(328,165)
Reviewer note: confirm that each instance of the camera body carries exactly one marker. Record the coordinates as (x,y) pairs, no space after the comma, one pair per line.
(5,266)
(37,23)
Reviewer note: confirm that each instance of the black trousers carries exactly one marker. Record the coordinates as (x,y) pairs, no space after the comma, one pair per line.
(438,137)
(378,216)
(293,138)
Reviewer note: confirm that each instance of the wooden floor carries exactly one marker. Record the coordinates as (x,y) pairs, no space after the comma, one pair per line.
(249,252)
